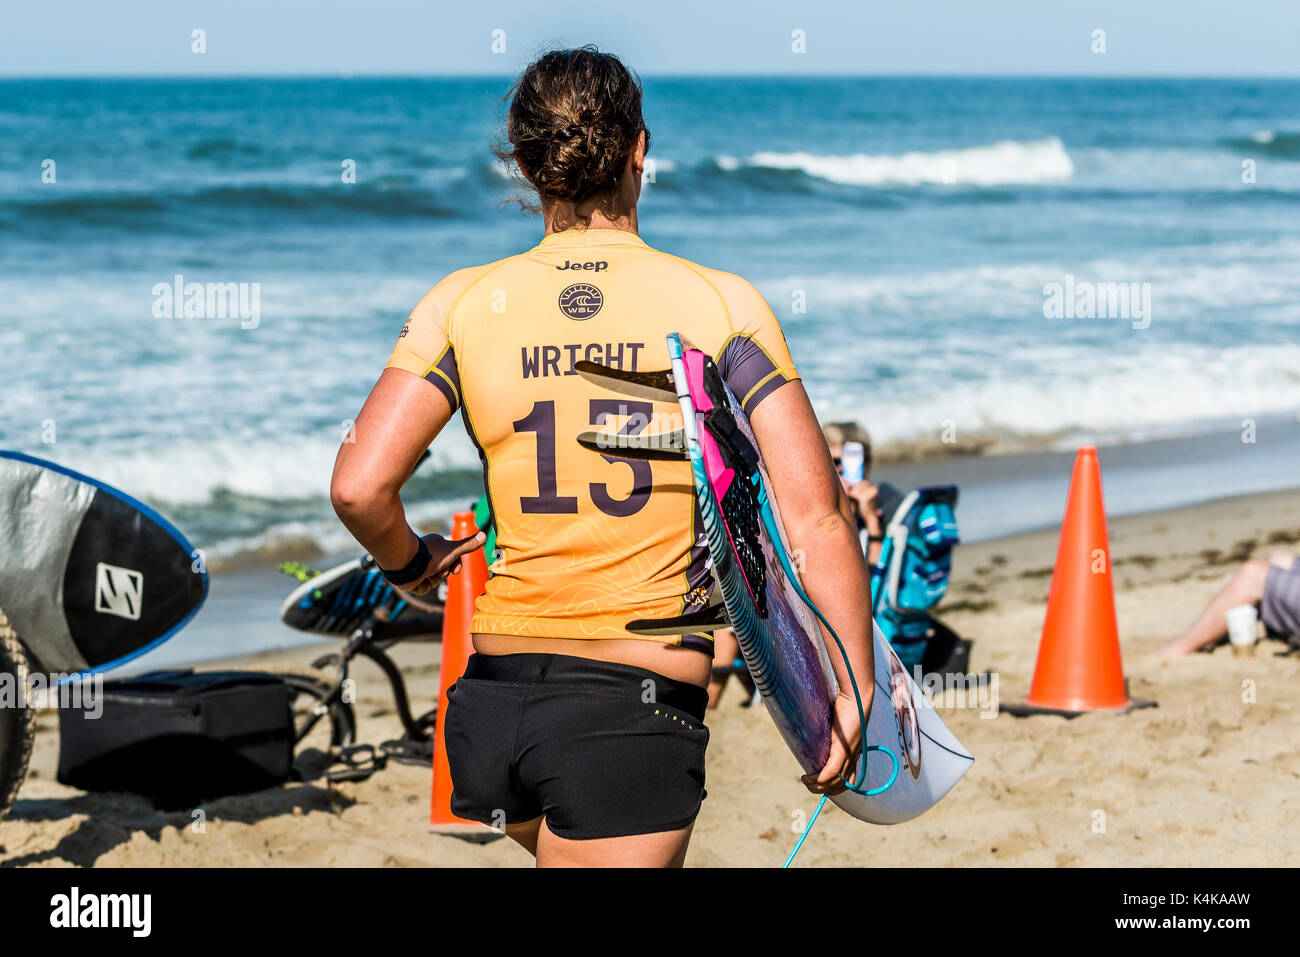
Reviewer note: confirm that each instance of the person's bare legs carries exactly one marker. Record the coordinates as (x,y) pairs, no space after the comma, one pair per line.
(525,834)
(725,651)
(1245,588)
(661,849)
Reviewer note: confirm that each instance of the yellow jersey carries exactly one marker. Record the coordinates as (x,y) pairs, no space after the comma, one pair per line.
(588,542)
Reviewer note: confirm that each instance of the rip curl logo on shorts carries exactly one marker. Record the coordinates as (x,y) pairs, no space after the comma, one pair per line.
(581,301)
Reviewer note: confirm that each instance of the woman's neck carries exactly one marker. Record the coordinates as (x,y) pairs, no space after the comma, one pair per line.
(561,216)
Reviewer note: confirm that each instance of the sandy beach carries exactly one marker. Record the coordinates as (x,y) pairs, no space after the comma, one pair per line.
(1207,777)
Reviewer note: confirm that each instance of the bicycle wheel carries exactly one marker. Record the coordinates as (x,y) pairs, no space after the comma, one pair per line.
(18,724)
(310,687)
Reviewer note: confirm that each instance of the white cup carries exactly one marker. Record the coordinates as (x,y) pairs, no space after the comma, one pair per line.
(1241,628)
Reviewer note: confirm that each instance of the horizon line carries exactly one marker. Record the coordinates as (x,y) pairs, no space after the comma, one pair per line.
(737,74)
(345,75)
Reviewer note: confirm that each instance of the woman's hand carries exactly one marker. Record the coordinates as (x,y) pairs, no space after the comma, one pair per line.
(846,744)
(444,558)
(863,495)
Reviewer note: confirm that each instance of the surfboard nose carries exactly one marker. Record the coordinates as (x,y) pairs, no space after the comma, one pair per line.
(92,576)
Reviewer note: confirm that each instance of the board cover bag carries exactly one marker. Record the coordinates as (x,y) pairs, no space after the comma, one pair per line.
(178,737)
(89,577)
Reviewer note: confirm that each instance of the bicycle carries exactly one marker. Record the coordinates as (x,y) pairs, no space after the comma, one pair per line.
(354,601)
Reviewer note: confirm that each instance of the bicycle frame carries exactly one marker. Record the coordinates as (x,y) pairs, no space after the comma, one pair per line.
(372,641)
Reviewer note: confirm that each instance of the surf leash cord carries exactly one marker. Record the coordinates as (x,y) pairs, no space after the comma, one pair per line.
(769,521)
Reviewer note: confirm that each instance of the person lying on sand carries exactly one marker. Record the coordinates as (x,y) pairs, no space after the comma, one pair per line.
(1274,586)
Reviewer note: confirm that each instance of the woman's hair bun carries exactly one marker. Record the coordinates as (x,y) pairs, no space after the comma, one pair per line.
(574,117)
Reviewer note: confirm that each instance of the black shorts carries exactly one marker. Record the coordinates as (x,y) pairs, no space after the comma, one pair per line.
(600,749)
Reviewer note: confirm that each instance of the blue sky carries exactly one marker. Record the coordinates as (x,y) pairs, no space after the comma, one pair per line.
(358,37)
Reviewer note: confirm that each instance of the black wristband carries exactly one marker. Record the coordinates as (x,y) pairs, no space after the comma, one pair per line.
(875,538)
(413,570)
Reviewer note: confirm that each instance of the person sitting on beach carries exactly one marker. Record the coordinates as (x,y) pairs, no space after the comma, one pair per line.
(583,741)
(873,505)
(1273,586)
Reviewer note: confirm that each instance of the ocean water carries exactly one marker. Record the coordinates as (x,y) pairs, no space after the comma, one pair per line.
(904,231)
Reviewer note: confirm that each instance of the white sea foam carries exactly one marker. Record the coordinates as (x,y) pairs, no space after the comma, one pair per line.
(128,297)
(328,534)
(971,346)
(1003,163)
(1147,394)
(1250,281)
(192,473)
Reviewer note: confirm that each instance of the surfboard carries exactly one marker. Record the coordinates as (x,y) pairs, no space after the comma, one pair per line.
(90,577)
(915,758)
(337,601)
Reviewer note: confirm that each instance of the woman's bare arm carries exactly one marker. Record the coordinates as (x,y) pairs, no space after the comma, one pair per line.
(402,416)
(819,523)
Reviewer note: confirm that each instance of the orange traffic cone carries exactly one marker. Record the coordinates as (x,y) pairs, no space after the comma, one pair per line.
(463,588)
(1079,667)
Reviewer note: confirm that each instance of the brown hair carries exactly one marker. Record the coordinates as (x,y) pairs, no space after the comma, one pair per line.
(574,118)
(837,433)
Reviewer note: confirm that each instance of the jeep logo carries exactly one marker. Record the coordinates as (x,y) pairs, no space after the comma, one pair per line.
(600,266)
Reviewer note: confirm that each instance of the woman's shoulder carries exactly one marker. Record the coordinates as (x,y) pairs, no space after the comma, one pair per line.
(464,278)
(740,295)
(442,298)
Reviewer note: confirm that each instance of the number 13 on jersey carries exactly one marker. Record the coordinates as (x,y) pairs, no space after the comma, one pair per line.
(548,500)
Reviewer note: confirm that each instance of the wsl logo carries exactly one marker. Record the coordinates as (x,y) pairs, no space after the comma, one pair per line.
(581,301)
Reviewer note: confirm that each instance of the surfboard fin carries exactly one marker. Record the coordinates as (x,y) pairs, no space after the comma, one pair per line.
(647,445)
(710,618)
(656,386)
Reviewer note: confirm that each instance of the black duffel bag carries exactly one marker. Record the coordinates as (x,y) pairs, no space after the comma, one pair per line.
(179,737)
